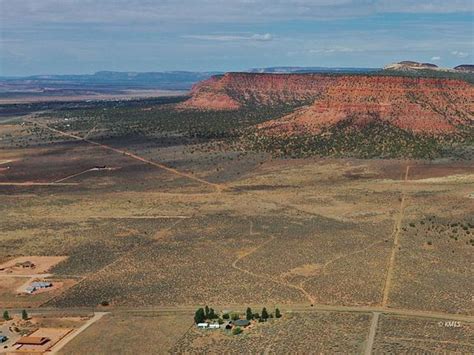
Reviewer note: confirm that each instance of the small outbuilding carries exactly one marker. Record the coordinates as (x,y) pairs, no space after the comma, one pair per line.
(214,326)
(241,323)
(203,325)
(32,340)
(3,338)
(41,284)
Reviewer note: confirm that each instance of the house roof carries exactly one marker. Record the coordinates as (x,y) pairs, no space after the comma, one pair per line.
(241,322)
(32,340)
(41,284)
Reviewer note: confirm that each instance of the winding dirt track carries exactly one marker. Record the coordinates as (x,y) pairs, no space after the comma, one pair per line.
(324,267)
(279,281)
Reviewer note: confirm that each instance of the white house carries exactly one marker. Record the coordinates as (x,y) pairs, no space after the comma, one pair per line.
(41,284)
(214,326)
(203,325)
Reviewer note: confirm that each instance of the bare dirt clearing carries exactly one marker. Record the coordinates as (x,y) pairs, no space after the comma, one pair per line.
(26,265)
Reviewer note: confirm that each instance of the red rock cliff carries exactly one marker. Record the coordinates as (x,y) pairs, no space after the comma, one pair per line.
(431,105)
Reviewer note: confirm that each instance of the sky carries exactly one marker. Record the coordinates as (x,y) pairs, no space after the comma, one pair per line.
(85,36)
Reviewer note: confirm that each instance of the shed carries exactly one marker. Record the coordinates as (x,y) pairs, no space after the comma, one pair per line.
(241,322)
(32,340)
(3,338)
(41,284)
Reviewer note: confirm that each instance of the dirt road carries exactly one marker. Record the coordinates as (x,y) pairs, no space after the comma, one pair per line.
(38,183)
(218,187)
(373,330)
(60,344)
(396,243)
(296,307)
(279,281)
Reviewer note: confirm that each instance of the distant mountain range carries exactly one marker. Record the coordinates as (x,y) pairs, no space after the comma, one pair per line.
(107,80)
(112,82)
(301,70)
(118,82)
(409,65)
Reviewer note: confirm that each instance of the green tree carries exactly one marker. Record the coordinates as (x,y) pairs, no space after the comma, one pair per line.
(277,313)
(264,314)
(249,314)
(207,312)
(212,314)
(226,316)
(235,316)
(24,315)
(6,315)
(199,316)
(236,330)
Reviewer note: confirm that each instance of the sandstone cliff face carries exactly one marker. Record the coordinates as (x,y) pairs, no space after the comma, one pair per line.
(262,89)
(420,105)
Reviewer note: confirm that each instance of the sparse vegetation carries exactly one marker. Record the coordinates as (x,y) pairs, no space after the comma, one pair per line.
(237,331)
(138,235)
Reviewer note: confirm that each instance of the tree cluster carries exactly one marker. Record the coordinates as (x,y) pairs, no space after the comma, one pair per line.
(249,315)
(208,314)
(203,314)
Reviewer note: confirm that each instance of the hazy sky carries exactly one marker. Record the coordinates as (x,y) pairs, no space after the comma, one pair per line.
(84,36)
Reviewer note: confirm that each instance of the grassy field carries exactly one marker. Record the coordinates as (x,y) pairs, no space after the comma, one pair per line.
(129,333)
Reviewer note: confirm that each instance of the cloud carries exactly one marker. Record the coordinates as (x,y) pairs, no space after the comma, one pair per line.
(460,54)
(232,38)
(203,11)
(435,58)
(334,50)
(265,37)
(423,6)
